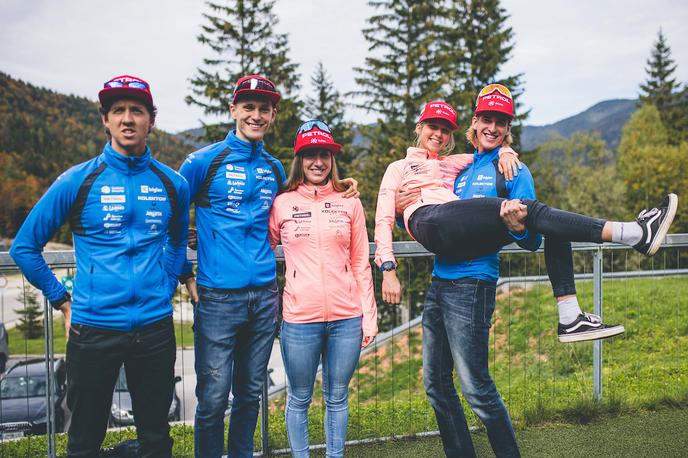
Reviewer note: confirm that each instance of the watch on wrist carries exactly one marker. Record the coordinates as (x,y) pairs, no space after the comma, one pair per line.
(57,304)
(387,266)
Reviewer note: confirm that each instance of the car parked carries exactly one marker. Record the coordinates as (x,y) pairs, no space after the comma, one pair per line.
(23,408)
(121,413)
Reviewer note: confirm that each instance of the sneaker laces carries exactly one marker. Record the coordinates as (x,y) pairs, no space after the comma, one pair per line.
(592,317)
(647,214)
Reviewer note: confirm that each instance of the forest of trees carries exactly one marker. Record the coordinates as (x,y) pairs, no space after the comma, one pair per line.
(417,51)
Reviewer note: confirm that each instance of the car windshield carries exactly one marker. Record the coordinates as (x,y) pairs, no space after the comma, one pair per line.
(22,387)
(121,381)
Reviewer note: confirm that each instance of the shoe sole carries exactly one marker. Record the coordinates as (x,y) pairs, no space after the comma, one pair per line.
(664,227)
(593,335)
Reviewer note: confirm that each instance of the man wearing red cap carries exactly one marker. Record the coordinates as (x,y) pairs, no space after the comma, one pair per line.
(129,218)
(233,184)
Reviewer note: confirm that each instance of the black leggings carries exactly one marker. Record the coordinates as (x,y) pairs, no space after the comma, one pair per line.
(466,229)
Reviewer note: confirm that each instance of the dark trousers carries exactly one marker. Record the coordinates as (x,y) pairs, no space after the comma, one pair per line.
(466,229)
(94,356)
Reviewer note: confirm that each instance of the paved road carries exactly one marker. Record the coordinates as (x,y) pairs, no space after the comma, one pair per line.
(186,387)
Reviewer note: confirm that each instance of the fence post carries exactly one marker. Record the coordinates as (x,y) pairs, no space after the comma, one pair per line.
(597,344)
(264,425)
(49,379)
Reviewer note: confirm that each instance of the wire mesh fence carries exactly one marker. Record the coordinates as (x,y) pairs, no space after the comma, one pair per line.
(539,378)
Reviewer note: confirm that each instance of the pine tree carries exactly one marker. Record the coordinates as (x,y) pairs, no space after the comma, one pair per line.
(240,34)
(475,43)
(659,88)
(30,324)
(327,105)
(402,71)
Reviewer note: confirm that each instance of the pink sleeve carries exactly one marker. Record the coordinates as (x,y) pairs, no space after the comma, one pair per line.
(360,265)
(385,213)
(274,226)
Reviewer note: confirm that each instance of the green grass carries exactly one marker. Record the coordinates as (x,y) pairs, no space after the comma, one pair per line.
(660,433)
(647,434)
(20,346)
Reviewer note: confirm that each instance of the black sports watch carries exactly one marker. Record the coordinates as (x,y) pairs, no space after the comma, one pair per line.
(57,304)
(387,266)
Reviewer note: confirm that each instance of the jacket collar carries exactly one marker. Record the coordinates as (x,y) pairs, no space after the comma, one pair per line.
(489,155)
(311,191)
(249,150)
(126,164)
(412,150)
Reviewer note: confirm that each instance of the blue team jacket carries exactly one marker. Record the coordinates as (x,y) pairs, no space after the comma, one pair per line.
(480,180)
(129,217)
(233,184)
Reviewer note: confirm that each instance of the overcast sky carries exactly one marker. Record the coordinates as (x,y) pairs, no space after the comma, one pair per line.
(573,53)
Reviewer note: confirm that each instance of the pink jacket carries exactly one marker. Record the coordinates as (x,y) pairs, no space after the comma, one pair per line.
(326,251)
(433,174)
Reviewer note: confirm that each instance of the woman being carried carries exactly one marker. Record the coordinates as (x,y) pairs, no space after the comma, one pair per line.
(459,230)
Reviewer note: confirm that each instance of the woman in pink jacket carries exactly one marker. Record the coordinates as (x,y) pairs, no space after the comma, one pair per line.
(329,310)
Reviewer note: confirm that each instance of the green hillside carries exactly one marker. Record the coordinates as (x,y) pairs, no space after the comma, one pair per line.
(42,133)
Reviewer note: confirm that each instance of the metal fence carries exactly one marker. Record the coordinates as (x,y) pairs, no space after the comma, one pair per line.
(537,376)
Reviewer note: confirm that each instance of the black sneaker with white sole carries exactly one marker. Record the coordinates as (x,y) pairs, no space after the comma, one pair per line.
(588,327)
(655,224)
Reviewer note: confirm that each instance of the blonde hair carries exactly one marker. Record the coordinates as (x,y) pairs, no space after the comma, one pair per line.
(296,176)
(472,136)
(448,148)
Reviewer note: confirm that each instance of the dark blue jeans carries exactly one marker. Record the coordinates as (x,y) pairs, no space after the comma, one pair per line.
(94,356)
(456,329)
(233,335)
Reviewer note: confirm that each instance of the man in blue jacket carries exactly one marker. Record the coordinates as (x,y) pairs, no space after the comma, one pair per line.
(232,184)
(129,218)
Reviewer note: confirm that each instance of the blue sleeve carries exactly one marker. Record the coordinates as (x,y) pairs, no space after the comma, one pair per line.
(523,187)
(177,232)
(45,219)
(193,169)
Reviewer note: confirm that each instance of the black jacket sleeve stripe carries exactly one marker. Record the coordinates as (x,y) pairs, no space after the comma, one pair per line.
(80,202)
(171,192)
(202,199)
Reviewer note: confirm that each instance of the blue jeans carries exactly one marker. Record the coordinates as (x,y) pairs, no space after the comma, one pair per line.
(456,330)
(233,335)
(303,344)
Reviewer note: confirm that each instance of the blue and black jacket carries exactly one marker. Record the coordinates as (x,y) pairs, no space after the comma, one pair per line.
(481,179)
(233,184)
(130,218)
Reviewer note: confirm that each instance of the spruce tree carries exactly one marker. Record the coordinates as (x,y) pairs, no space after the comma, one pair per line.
(661,90)
(30,324)
(241,36)
(327,105)
(475,43)
(659,87)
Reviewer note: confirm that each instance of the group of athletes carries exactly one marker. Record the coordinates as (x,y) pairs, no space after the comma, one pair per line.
(129,214)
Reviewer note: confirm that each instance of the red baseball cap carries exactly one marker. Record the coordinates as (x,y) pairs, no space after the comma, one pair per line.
(439,110)
(495,97)
(258,85)
(125,86)
(315,134)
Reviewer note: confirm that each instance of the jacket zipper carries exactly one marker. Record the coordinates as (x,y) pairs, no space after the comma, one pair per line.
(132,249)
(316,219)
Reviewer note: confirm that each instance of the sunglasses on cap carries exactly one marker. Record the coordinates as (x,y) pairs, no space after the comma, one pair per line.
(489,89)
(255,83)
(312,124)
(132,84)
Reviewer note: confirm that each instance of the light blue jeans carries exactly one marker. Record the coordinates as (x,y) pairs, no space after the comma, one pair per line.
(338,343)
